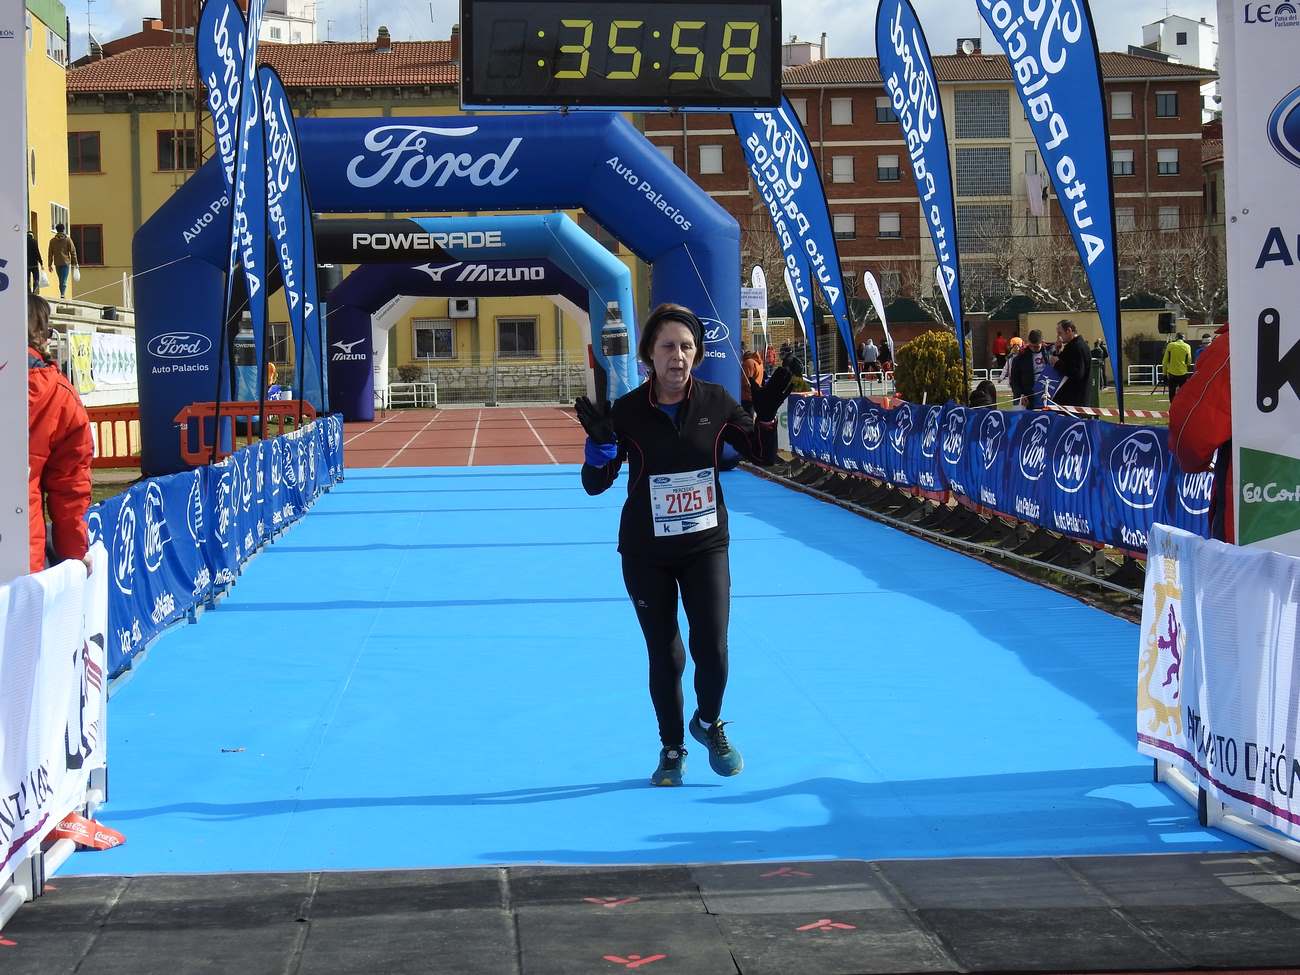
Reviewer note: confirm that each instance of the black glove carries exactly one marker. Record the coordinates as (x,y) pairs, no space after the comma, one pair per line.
(769,397)
(596,420)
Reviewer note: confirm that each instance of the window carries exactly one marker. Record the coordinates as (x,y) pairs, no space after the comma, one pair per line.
(275,34)
(841,169)
(58,215)
(1166,104)
(83,152)
(1167,162)
(841,111)
(56,48)
(800,106)
(517,338)
(1121,104)
(277,343)
(887,168)
(891,225)
(885,110)
(983,113)
(710,160)
(88,238)
(667,152)
(1180,38)
(983,228)
(983,172)
(1121,162)
(1031,161)
(1125,220)
(433,338)
(1168,218)
(175,150)
(846,227)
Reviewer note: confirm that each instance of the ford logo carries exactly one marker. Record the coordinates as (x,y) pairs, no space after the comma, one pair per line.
(179,345)
(850,419)
(992,429)
(823,420)
(663,480)
(1033,447)
(156,534)
(1072,458)
(194,511)
(796,422)
(715,331)
(930,432)
(124,550)
(873,428)
(902,427)
(1137,467)
(954,436)
(1284,128)
(1195,492)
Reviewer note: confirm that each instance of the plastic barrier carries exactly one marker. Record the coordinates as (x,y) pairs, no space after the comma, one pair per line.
(115,431)
(196,424)
(177,541)
(1101,483)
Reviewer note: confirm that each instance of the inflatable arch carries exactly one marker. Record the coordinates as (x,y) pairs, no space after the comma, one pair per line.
(595,161)
(549,254)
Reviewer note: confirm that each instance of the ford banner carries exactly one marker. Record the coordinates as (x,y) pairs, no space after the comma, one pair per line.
(219,50)
(1052,51)
(908,73)
(784,171)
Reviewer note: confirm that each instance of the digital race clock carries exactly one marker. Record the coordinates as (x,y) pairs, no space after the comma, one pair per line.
(721,54)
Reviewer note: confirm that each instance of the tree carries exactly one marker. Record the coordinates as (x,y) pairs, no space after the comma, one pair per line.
(928,369)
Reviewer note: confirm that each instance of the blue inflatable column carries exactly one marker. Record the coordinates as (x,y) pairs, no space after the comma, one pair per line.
(351,363)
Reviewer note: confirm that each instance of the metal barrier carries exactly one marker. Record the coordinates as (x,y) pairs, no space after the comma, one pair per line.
(115,432)
(412,396)
(198,421)
(1146,375)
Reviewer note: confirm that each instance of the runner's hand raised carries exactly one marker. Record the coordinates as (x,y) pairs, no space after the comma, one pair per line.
(596,420)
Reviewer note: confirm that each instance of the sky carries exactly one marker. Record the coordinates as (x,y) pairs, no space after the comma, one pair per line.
(849,27)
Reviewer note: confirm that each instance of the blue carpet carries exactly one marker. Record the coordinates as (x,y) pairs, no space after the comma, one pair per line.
(439,667)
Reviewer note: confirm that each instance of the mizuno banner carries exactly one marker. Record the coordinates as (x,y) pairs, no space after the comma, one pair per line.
(289,221)
(908,74)
(1052,50)
(784,172)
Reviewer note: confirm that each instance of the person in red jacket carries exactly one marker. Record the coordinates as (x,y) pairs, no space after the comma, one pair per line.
(58,448)
(1200,423)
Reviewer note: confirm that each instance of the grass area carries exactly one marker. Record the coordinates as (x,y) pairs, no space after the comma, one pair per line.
(1140,398)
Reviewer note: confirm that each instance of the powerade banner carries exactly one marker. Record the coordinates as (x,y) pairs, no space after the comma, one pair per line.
(174,541)
(289,220)
(248,217)
(908,73)
(1052,49)
(1099,482)
(784,172)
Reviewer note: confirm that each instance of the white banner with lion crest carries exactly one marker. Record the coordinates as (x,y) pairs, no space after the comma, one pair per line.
(1217,672)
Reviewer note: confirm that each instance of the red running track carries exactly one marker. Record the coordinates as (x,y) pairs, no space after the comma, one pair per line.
(464,437)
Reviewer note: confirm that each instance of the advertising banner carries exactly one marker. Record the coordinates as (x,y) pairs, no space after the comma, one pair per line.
(53,688)
(13,291)
(219,50)
(1225,718)
(1052,49)
(81,356)
(1261,109)
(908,73)
(112,358)
(784,171)
(872,287)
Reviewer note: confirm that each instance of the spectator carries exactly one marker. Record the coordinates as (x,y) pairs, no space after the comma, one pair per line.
(986,394)
(1073,362)
(870,356)
(1013,349)
(751,379)
(1000,349)
(1026,369)
(1177,364)
(1099,357)
(1201,345)
(795,367)
(886,357)
(62,257)
(1200,424)
(34,263)
(58,449)
(769,357)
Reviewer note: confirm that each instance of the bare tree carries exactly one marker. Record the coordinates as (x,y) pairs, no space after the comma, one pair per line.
(1190,270)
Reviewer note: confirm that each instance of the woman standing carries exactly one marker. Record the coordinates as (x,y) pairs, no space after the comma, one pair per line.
(673,532)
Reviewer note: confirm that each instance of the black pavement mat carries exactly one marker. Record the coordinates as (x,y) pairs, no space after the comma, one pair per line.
(1131,913)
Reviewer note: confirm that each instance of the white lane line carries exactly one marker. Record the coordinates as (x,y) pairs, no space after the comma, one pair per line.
(368,430)
(436,417)
(474,443)
(539,438)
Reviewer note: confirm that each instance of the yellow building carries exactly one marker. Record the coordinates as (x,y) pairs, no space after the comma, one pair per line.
(48,198)
(134,112)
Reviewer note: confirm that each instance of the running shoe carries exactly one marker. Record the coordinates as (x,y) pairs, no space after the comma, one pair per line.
(672,763)
(723,757)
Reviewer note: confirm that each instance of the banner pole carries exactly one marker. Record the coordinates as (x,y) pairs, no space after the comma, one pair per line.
(223,344)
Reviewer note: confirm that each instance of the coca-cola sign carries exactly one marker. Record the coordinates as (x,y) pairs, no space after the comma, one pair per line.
(179,345)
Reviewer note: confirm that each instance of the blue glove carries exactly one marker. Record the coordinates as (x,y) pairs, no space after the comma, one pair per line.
(599,454)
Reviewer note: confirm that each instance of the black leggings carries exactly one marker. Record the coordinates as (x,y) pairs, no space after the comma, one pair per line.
(705,584)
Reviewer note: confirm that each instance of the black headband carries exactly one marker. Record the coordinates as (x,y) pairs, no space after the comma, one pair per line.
(683,315)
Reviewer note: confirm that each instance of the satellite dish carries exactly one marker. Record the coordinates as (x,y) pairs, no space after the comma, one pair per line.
(968,46)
